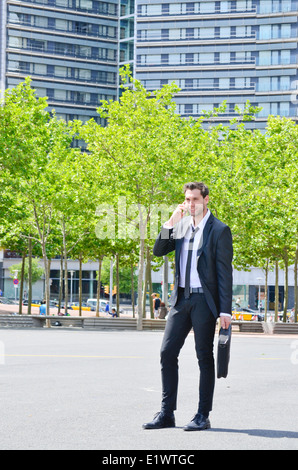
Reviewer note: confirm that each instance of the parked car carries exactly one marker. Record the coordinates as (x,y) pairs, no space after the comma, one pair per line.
(76,306)
(5,300)
(91,303)
(271,315)
(34,303)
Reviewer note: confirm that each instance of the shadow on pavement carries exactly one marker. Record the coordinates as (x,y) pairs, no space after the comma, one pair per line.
(259,432)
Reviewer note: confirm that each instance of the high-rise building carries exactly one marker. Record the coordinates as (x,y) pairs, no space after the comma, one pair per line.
(234,51)
(220,50)
(127,33)
(68,47)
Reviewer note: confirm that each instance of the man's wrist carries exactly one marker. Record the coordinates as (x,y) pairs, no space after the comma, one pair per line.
(168,224)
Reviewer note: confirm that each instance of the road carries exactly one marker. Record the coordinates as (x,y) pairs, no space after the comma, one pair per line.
(71,389)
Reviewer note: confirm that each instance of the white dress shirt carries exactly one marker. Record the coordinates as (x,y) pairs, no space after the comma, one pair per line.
(194,275)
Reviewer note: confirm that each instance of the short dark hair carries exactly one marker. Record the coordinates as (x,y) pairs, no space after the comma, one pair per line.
(195,185)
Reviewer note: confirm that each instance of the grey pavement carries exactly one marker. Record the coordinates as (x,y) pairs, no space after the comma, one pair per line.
(92,390)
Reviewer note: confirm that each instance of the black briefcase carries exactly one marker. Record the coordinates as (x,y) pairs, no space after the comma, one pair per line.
(223,352)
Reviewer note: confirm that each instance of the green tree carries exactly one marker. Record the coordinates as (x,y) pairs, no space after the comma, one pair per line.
(139,153)
(36,272)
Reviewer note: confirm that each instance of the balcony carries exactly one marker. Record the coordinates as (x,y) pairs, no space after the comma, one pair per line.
(98,8)
(65,53)
(285,7)
(165,63)
(74,31)
(165,37)
(190,10)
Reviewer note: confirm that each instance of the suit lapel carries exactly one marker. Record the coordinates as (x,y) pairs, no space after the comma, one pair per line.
(179,234)
(179,243)
(206,232)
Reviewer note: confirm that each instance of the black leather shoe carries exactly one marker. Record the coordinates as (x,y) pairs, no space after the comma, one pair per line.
(161,420)
(198,423)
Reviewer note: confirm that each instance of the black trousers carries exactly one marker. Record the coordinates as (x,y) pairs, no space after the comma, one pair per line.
(186,314)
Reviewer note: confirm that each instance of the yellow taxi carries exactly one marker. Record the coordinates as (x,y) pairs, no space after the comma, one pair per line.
(76,306)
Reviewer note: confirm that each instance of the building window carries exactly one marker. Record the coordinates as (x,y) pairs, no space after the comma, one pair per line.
(189,83)
(282,109)
(164,58)
(190,7)
(165,8)
(188,109)
(190,33)
(189,58)
(207,7)
(206,58)
(174,9)
(275,57)
(274,83)
(154,10)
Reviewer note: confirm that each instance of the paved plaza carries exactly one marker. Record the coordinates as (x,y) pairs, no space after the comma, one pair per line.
(82,389)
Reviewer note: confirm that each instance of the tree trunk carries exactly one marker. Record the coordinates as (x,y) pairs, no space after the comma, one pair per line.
(60,282)
(132,289)
(276,292)
(286,288)
(80,284)
(145,288)
(296,284)
(98,285)
(65,269)
(29,274)
(117,286)
(22,283)
(149,277)
(140,285)
(111,283)
(266,290)
(47,263)
(143,230)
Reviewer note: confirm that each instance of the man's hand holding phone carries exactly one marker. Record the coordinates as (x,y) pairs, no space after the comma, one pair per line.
(177,215)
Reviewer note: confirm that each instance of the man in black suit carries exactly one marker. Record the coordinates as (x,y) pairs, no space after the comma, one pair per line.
(202,293)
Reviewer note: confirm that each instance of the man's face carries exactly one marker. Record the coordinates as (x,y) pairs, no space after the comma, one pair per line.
(196,204)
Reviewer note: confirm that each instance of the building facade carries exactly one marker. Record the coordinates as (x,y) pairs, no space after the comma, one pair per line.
(236,51)
(68,47)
